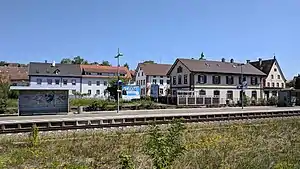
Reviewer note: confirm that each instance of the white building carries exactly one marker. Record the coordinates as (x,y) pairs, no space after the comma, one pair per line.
(275,79)
(215,78)
(85,79)
(148,74)
(95,78)
(51,75)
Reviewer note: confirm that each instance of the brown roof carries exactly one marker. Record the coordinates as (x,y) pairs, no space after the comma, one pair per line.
(219,67)
(265,66)
(155,69)
(15,73)
(132,72)
(105,69)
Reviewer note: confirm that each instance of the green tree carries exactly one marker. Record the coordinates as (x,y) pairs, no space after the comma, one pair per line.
(66,61)
(4,90)
(164,148)
(2,63)
(202,57)
(297,82)
(149,62)
(105,63)
(79,60)
(126,65)
(94,63)
(112,87)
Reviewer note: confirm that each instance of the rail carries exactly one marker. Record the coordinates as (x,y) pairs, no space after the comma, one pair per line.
(19,126)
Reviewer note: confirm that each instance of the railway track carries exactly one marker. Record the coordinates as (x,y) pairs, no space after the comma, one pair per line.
(23,126)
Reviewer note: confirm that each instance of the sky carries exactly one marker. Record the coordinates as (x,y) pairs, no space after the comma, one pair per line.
(159,30)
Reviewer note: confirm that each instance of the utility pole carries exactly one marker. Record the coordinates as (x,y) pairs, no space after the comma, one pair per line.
(118,82)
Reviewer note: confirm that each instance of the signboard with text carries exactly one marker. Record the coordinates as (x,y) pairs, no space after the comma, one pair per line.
(131,92)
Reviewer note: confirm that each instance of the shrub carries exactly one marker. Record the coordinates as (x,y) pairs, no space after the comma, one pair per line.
(272,101)
(164,148)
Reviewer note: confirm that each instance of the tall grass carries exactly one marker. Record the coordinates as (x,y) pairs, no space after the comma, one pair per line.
(262,144)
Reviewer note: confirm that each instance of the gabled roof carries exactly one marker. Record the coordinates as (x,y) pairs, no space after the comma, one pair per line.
(208,66)
(15,73)
(155,69)
(266,66)
(46,69)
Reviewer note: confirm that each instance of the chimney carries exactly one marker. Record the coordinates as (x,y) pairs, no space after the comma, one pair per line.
(223,59)
(53,63)
(248,61)
(260,61)
(231,60)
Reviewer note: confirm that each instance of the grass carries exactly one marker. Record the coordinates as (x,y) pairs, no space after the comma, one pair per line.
(261,144)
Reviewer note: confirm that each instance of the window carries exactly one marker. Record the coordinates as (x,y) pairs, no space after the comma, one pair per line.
(277,84)
(139,74)
(105,83)
(254,95)
(89,92)
(142,73)
(268,84)
(274,93)
(49,81)
(73,91)
(254,81)
(229,80)
(174,91)
(65,81)
(161,91)
(144,82)
(282,85)
(57,81)
(185,79)
(39,81)
(97,92)
(216,80)
(201,79)
(154,76)
(98,83)
(161,77)
(216,93)
(273,85)
(202,93)
(90,83)
(179,69)
(278,76)
(179,79)
(161,81)
(168,81)
(174,80)
(73,82)
(272,76)
(275,70)
(154,81)
(99,73)
(229,95)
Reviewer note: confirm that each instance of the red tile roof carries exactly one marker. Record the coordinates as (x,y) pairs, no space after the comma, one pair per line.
(15,73)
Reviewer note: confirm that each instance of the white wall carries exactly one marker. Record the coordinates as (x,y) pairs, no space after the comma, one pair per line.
(164,86)
(275,72)
(70,86)
(139,79)
(85,86)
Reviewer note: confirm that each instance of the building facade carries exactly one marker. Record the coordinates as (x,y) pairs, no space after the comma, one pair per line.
(152,73)
(275,79)
(90,80)
(216,79)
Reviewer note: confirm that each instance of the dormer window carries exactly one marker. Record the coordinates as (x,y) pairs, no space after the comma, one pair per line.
(179,69)
(57,71)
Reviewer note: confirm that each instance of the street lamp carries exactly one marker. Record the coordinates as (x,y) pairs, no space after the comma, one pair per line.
(118,82)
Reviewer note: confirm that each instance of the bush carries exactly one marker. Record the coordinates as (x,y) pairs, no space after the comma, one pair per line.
(262,102)
(272,101)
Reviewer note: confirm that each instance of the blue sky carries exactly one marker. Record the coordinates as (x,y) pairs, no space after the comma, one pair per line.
(159,30)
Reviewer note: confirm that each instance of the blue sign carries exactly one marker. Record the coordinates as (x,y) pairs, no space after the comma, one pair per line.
(131,92)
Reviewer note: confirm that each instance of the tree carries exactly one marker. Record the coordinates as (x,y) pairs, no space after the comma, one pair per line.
(149,62)
(105,63)
(4,90)
(66,61)
(112,87)
(126,65)
(2,63)
(202,56)
(79,60)
(297,82)
(94,63)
